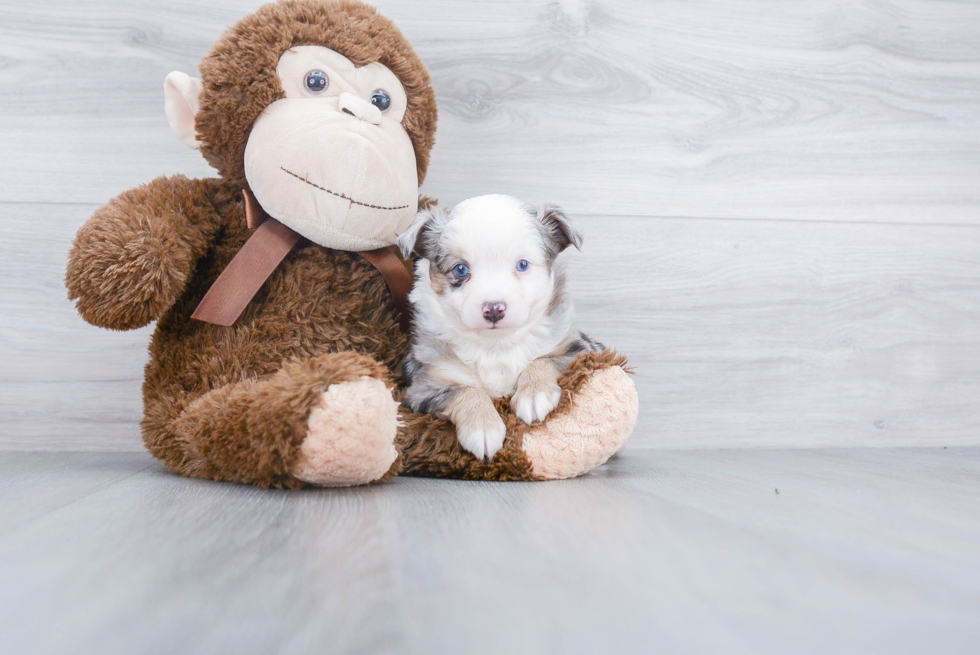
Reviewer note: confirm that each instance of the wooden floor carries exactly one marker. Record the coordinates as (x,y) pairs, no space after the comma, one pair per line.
(860,550)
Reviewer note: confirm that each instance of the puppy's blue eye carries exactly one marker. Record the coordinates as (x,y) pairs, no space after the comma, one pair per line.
(381,99)
(461,270)
(523,265)
(316,82)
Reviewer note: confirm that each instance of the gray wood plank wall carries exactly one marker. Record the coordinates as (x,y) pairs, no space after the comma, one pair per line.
(781,200)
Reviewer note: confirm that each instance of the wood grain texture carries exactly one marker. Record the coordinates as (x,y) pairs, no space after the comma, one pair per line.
(669,552)
(742,333)
(34,484)
(655,124)
(865,111)
(63,383)
(769,333)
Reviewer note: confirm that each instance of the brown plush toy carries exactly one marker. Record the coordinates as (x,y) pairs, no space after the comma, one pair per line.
(275,356)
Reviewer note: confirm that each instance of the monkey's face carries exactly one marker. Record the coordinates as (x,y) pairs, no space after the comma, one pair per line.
(331,159)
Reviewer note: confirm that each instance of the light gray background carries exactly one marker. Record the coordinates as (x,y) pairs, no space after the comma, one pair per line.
(781,200)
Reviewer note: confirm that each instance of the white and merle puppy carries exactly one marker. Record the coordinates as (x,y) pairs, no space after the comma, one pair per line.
(491,317)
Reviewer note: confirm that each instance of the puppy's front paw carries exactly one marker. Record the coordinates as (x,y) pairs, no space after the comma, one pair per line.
(534,403)
(537,392)
(481,433)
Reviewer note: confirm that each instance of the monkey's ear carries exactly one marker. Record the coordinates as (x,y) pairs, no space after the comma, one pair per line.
(182,93)
(422,234)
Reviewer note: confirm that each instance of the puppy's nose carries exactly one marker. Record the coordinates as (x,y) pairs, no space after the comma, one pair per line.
(493,311)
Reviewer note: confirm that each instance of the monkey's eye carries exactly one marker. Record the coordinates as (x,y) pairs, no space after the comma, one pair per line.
(381,99)
(461,270)
(523,265)
(316,82)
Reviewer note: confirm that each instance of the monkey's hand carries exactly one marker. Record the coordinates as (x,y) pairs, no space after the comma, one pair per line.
(131,261)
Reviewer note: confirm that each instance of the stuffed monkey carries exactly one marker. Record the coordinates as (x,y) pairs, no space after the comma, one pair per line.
(278,297)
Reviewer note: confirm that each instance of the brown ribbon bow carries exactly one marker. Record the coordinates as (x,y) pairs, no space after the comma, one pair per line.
(265,249)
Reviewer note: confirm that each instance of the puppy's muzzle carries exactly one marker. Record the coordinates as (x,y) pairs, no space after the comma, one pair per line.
(493,311)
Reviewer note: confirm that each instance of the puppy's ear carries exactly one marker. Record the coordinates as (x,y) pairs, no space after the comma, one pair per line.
(558,230)
(422,234)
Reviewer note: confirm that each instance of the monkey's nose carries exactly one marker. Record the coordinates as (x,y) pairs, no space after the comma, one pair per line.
(359,108)
(493,311)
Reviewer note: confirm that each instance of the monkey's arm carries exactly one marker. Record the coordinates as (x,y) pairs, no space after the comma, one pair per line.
(593,419)
(131,261)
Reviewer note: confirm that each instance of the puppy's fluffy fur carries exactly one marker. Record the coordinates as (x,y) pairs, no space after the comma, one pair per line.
(491,317)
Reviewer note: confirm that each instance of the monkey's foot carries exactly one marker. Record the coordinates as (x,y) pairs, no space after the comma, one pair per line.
(350,435)
(601,418)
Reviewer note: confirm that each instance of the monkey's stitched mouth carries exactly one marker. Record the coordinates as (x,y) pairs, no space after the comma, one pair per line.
(340,195)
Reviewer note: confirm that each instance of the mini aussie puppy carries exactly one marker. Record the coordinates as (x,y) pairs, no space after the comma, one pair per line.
(491,318)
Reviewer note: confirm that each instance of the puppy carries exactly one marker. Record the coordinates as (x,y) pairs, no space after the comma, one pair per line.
(491,317)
